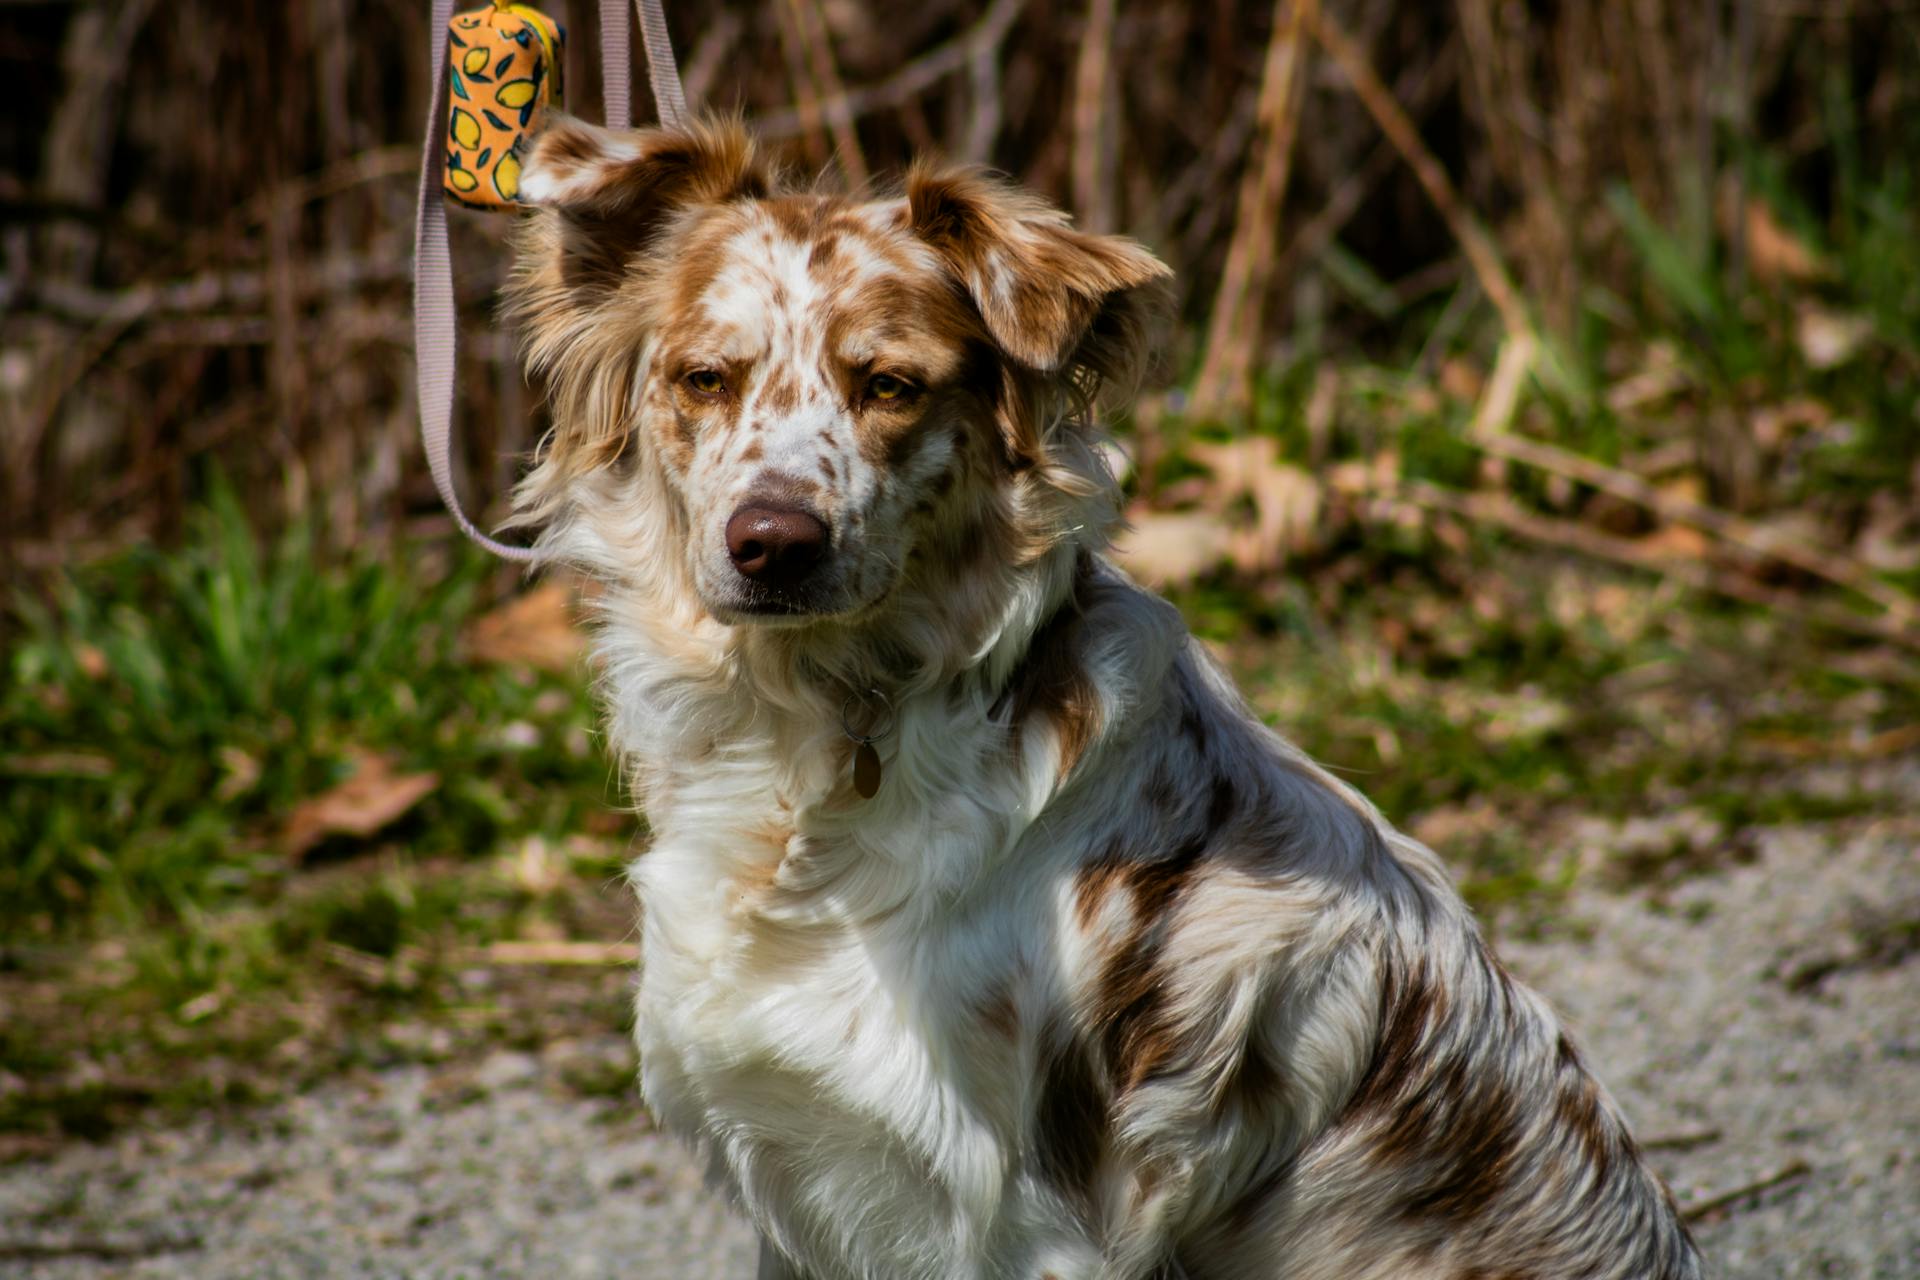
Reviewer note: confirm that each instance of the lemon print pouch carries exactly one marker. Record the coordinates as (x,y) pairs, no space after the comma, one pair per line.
(503,69)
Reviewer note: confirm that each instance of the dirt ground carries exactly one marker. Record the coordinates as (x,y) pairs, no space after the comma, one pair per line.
(1760,1023)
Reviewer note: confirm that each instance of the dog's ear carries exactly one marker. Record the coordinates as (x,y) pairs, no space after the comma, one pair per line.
(1041,287)
(607,194)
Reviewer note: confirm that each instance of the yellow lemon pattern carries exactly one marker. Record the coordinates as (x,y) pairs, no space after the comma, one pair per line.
(504,67)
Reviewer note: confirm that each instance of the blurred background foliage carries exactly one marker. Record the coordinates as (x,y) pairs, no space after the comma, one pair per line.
(1539,443)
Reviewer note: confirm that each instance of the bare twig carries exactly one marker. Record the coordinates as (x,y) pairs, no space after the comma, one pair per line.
(1233,333)
(105,1250)
(983,125)
(721,33)
(824,74)
(209,291)
(1502,512)
(553,953)
(1091,125)
(1494,413)
(807,94)
(1392,119)
(1421,91)
(909,81)
(1680,1140)
(1822,562)
(1791,1171)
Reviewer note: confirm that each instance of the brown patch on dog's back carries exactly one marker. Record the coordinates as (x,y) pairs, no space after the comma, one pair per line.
(1429,1109)
(1138,1033)
(1577,1106)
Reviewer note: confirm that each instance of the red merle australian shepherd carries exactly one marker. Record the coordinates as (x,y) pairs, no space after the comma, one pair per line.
(985,933)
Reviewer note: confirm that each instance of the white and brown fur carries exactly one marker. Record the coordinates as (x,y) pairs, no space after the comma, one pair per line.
(1108,980)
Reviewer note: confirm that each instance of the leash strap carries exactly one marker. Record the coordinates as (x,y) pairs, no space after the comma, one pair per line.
(436,327)
(663,73)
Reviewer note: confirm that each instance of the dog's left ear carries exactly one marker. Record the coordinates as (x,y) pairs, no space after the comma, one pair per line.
(605,195)
(1041,286)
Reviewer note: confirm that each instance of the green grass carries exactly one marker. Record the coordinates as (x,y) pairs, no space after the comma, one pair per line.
(163,713)
(161,717)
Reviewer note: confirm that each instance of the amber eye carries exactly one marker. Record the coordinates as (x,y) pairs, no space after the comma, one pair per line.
(707,382)
(884,386)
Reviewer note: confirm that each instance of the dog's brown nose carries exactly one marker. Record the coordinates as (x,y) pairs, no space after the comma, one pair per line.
(775,546)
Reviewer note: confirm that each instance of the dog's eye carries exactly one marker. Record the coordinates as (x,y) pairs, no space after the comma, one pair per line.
(884,386)
(707,382)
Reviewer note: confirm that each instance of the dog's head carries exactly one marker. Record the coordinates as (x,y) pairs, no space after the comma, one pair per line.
(787,401)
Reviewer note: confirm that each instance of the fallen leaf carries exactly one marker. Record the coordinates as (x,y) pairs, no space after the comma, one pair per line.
(371,798)
(1774,252)
(1828,339)
(534,630)
(242,771)
(1165,547)
(1455,825)
(1663,376)
(1773,424)
(1888,742)
(1286,499)
(1885,541)
(1690,487)
(1460,380)
(1673,542)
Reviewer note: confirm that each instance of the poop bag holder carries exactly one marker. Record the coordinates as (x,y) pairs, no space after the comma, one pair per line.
(494,71)
(504,66)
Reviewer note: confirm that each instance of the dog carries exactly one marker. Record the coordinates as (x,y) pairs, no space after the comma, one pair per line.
(985,932)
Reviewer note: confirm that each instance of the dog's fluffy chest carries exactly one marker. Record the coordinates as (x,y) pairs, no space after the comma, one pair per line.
(830,1001)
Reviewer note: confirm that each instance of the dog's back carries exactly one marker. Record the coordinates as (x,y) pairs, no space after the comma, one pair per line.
(1282,1041)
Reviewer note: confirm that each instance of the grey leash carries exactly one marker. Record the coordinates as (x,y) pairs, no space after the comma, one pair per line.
(435,325)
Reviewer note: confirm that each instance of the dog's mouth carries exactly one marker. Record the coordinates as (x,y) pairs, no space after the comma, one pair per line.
(764,606)
(740,598)
(828,594)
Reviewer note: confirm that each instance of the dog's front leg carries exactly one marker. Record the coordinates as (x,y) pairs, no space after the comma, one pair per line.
(775,1267)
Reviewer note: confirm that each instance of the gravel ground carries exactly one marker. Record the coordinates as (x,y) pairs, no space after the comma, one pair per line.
(1759,1023)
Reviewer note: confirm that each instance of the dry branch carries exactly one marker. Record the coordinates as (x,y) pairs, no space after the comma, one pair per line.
(1091,128)
(1792,1171)
(911,80)
(804,30)
(553,953)
(1233,334)
(209,290)
(1822,562)
(1392,119)
(1422,90)
(1502,512)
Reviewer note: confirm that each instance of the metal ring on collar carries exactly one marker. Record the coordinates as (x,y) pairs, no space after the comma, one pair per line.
(886,726)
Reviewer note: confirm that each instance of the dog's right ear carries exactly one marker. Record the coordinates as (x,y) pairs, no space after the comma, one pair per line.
(608,194)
